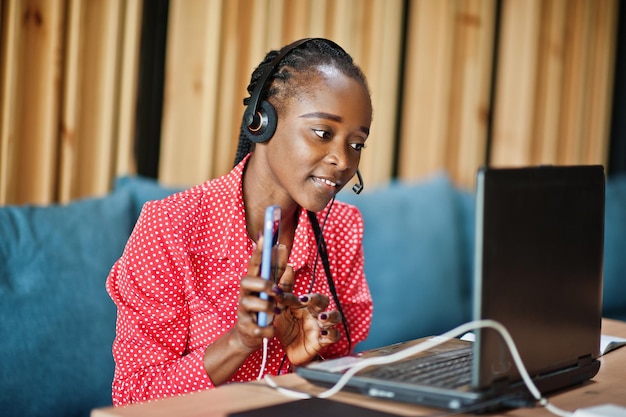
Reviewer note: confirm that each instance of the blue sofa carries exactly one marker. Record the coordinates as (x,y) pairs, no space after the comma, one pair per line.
(57,321)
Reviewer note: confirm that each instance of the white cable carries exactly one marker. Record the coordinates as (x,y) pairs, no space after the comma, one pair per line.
(429,344)
(264,361)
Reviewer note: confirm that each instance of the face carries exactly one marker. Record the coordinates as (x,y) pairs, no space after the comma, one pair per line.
(319,139)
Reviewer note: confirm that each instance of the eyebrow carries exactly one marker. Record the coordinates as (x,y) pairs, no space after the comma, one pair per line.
(335,118)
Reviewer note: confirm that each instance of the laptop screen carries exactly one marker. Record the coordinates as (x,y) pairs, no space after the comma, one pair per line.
(538,267)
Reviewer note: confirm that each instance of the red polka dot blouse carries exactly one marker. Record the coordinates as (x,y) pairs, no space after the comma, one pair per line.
(176,287)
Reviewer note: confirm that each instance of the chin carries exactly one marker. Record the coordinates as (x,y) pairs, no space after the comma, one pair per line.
(316,205)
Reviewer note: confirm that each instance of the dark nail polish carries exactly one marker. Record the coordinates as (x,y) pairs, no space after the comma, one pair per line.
(277,310)
(277,290)
(324,332)
(304,298)
(323,316)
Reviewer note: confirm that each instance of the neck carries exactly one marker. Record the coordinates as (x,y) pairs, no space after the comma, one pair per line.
(258,194)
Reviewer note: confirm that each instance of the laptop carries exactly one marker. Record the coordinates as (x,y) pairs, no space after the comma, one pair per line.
(539,243)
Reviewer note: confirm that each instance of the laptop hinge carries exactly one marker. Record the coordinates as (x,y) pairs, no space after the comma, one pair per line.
(585,360)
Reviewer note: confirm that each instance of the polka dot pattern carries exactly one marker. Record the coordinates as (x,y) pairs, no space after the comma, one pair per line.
(177,282)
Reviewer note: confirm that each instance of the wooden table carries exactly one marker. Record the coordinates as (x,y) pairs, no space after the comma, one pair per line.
(608,386)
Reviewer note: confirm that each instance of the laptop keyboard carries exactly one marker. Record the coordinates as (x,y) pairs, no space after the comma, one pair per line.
(451,369)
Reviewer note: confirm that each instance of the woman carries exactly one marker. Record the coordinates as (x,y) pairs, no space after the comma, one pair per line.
(187,285)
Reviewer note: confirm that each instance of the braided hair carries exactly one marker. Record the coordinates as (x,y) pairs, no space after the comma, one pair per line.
(303,60)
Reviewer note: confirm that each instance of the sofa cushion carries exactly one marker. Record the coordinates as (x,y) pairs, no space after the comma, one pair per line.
(58,322)
(143,189)
(415,259)
(614,293)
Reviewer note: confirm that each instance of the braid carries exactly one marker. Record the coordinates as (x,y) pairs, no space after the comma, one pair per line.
(244,146)
(304,60)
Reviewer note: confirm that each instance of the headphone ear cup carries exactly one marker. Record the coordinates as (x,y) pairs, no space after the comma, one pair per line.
(263,125)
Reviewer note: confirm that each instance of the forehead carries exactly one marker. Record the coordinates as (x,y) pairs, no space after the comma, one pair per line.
(331,91)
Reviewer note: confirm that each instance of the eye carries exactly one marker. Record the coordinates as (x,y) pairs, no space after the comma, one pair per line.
(322,133)
(358,146)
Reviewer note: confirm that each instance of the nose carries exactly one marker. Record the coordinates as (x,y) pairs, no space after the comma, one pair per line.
(339,156)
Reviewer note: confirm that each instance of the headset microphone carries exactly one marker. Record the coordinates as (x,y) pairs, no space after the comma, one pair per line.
(358,187)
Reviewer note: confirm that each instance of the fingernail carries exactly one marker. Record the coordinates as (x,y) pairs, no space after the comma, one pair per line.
(277,310)
(304,298)
(323,316)
(324,332)
(277,290)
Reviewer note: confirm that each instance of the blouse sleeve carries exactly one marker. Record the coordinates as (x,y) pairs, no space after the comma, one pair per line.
(148,286)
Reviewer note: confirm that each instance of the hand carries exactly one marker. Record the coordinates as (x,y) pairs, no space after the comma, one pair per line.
(304,328)
(225,355)
(250,304)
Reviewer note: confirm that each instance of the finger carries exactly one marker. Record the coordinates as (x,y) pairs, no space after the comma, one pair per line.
(289,300)
(329,318)
(287,279)
(255,284)
(254,304)
(247,327)
(250,306)
(254,265)
(250,332)
(328,336)
(249,295)
(280,254)
(316,303)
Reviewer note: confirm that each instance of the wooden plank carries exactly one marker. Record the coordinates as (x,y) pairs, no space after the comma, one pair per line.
(129,69)
(381,64)
(99,94)
(190,85)
(517,72)
(37,106)
(601,76)
(234,80)
(70,113)
(546,129)
(295,21)
(573,121)
(275,32)
(316,26)
(9,13)
(426,95)
(473,63)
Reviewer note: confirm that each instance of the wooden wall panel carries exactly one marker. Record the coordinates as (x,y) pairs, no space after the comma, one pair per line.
(426,91)
(66,128)
(554,85)
(126,108)
(34,42)
(380,59)
(447,79)
(471,84)
(601,61)
(69,70)
(91,84)
(549,86)
(516,80)
(191,81)
(9,11)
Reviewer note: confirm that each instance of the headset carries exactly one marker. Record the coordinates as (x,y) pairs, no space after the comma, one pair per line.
(260,118)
